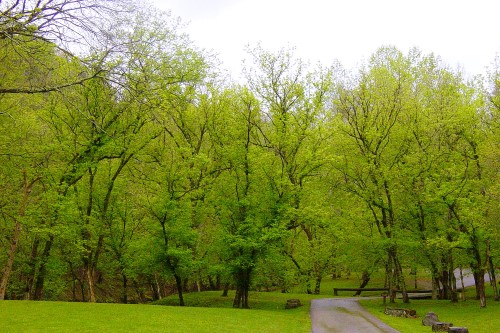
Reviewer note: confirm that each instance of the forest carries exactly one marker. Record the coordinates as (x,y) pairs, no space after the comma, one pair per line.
(132,167)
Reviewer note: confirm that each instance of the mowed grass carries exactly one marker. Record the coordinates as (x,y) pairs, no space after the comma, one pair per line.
(269,301)
(268,315)
(462,314)
(210,312)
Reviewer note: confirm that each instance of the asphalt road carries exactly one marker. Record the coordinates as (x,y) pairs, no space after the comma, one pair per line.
(332,315)
(345,315)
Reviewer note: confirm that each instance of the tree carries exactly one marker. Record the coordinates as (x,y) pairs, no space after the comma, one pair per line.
(241,194)
(72,26)
(24,143)
(371,111)
(294,107)
(180,163)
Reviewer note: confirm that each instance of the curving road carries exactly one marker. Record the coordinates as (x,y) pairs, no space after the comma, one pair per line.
(344,315)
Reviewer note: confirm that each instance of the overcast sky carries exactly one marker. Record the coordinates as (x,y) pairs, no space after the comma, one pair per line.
(464,33)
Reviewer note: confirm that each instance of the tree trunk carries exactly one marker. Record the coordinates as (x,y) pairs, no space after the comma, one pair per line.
(365,278)
(480,289)
(401,280)
(139,291)
(211,283)
(14,242)
(217,282)
(40,280)
(308,286)
(124,289)
(179,285)
(30,277)
(444,278)
(155,287)
(462,283)
(478,272)
(10,259)
(389,277)
(454,294)
(491,270)
(198,285)
(226,290)
(242,288)
(398,275)
(91,283)
(435,287)
(414,273)
(493,278)
(86,235)
(237,298)
(317,287)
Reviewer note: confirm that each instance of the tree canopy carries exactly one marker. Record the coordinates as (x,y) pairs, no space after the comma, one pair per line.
(132,169)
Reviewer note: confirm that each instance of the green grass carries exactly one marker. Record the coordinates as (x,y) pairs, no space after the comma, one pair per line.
(464,314)
(270,301)
(268,315)
(210,312)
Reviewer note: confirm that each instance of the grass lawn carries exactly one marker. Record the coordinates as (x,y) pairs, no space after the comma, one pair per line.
(209,312)
(268,315)
(464,313)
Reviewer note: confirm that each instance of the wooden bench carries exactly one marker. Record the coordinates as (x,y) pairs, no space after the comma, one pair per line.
(336,290)
(417,291)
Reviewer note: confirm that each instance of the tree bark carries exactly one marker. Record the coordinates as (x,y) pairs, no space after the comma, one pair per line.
(444,278)
(478,273)
(317,287)
(401,280)
(480,289)
(398,275)
(226,290)
(40,280)
(10,259)
(14,242)
(242,288)
(124,289)
(179,285)
(155,288)
(30,278)
(139,291)
(493,279)
(462,283)
(89,270)
(435,287)
(365,278)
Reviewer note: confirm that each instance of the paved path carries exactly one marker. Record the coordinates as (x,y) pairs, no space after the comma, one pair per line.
(344,315)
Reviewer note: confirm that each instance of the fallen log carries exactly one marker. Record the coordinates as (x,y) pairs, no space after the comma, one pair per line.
(404,313)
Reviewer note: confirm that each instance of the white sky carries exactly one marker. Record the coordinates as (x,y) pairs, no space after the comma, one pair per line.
(464,33)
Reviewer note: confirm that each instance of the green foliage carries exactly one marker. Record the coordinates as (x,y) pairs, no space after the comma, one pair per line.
(138,165)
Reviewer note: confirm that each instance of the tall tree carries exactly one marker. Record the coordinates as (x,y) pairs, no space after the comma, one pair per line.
(375,141)
(75,27)
(295,109)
